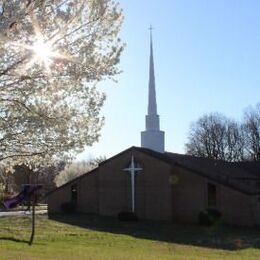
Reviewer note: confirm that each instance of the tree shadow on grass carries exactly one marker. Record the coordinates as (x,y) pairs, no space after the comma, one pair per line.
(14,240)
(218,236)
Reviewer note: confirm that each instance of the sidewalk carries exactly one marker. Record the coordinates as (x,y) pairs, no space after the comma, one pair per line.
(21,213)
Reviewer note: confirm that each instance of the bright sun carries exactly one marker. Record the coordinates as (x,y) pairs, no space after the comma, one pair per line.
(42,50)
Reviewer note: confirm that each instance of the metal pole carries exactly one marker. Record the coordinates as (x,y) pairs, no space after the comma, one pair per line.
(33,220)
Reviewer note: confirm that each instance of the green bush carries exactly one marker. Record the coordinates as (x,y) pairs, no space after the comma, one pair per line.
(209,217)
(127,216)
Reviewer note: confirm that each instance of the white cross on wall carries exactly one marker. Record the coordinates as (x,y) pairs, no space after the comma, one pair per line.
(132,170)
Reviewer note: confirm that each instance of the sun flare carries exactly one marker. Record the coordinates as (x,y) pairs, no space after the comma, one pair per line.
(42,50)
(43,53)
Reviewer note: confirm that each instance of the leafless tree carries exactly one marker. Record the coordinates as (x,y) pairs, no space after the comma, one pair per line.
(251,131)
(206,137)
(234,142)
(44,175)
(6,181)
(217,137)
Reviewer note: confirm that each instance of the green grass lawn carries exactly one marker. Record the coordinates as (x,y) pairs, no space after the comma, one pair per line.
(92,237)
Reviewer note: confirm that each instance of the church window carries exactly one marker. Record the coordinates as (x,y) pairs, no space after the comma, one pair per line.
(74,193)
(212,195)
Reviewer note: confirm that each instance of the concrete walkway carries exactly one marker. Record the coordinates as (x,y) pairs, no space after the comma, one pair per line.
(21,213)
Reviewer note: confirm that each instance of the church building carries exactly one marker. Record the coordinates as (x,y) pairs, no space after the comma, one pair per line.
(158,185)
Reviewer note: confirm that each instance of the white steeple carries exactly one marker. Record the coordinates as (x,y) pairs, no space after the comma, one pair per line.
(152,137)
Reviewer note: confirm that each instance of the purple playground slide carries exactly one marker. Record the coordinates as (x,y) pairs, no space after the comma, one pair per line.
(24,195)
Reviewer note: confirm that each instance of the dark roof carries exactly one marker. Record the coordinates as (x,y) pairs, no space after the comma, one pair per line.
(239,176)
(252,168)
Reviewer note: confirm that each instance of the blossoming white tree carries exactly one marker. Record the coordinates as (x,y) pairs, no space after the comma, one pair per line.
(52,54)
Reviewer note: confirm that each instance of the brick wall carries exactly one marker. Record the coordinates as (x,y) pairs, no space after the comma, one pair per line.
(58,197)
(236,207)
(87,190)
(163,192)
(153,190)
(88,193)
(188,195)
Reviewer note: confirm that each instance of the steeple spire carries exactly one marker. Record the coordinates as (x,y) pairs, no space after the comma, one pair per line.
(152,106)
(152,137)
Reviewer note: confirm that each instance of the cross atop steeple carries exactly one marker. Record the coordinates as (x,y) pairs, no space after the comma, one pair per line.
(151,28)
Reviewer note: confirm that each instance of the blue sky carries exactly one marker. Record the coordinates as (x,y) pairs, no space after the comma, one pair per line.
(207,59)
